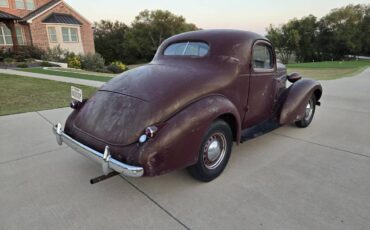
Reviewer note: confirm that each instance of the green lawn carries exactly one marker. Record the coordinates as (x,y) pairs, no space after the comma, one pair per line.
(328,70)
(68,73)
(24,94)
(80,71)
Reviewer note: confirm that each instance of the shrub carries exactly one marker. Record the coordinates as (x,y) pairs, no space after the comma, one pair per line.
(9,60)
(22,65)
(92,62)
(26,52)
(117,67)
(74,62)
(56,54)
(3,54)
(48,64)
(29,60)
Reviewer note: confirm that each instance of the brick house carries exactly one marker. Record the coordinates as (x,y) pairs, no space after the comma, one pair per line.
(46,24)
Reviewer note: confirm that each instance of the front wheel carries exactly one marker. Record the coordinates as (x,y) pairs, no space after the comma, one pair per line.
(309,113)
(214,152)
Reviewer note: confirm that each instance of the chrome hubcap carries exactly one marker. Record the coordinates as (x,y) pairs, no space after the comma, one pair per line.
(214,150)
(309,110)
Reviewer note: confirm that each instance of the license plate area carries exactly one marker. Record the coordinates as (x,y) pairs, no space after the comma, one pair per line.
(76,94)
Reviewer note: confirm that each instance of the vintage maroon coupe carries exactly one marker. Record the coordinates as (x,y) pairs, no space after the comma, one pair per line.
(203,91)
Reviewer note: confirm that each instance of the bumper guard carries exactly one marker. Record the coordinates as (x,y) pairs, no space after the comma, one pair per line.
(108,163)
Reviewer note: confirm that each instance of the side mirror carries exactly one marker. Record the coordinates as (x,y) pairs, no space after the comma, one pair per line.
(294,77)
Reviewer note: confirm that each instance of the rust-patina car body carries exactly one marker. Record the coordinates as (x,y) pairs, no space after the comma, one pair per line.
(182,95)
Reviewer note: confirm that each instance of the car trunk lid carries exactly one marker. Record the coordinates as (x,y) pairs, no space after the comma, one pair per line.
(113,118)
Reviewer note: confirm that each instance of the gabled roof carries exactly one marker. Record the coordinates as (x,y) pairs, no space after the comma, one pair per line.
(7,16)
(61,18)
(41,10)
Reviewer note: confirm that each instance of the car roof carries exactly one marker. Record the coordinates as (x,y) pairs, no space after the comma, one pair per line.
(222,41)
(217,34)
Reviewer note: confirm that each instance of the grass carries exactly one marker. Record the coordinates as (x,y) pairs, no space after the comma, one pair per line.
(329,70)
(80,71)
(80,75)
(24,94)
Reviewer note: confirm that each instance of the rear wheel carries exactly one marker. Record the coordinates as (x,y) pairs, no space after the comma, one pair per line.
(214,152)
(309,113)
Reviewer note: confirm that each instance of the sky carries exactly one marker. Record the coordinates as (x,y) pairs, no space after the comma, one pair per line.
(254,15)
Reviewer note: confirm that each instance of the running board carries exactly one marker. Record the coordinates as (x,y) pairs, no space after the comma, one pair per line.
(258,130)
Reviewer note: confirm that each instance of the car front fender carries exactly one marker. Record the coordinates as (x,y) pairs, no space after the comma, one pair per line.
(295,99)
(177,143)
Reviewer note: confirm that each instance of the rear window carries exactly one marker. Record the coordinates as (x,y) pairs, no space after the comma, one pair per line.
(197,49)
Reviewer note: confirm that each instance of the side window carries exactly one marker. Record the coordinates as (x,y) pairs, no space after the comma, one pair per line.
(262,57)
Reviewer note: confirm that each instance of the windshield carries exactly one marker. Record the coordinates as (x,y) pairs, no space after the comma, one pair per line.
(198,49)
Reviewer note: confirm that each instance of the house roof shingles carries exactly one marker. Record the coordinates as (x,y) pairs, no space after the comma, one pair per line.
(40,10)
(7,16)
(61,18)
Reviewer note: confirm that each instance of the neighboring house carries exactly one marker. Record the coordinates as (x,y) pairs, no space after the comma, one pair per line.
(46,24)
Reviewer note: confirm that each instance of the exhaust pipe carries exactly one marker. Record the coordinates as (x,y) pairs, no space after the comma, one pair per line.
(103,177)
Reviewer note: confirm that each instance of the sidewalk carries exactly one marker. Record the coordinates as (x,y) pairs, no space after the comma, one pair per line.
(53,77)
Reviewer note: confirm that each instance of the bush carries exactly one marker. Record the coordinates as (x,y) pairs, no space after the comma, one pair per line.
(9,60)
(26,52)
(56,54)
(22,65)
(117,67)
(74,62)
(48,64)
(92,62)
(29,60)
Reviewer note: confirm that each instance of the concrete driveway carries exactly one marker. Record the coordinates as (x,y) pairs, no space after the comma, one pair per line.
(314,178)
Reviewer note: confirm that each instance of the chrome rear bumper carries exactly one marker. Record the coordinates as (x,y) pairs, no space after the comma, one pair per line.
(108,163)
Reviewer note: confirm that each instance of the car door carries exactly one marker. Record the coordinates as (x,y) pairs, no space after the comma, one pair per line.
(262,84)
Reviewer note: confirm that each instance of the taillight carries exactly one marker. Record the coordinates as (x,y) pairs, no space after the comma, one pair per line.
(150,131)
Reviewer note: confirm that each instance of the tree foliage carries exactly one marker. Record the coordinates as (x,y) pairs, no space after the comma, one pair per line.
(139,42)
(342,32)
(286,40)
(109,37)
(149,30)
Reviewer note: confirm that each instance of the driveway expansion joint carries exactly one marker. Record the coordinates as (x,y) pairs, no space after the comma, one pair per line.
(347,110)
(156,203)
(322,145)
(42,116)
(33,155)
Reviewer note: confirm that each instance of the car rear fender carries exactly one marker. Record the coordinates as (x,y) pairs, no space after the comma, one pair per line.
(295,99)
(177,143)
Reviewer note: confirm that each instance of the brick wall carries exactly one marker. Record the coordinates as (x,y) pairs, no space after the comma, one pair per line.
(39,32)
(21,13)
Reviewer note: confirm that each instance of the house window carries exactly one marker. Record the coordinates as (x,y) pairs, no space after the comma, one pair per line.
(5,35)
(70,34)
(25,4)
(30,4)
(19,4)
(4,3)
(20,37)
(52,34)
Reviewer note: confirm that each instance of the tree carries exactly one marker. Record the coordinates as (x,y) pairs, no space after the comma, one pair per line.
(109,37)
(149,30)
(306,27)
(340,31)
(285,40)
(365,30)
